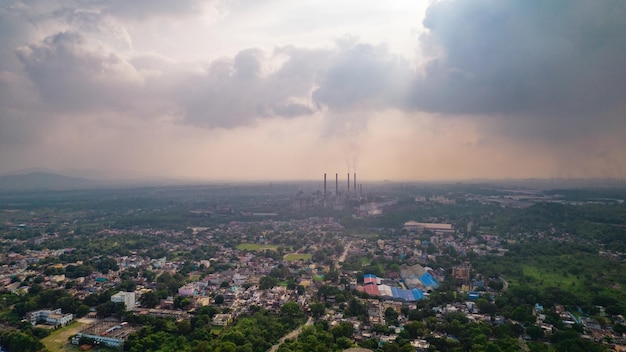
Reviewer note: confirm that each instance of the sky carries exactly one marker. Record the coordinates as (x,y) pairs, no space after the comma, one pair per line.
(289,90)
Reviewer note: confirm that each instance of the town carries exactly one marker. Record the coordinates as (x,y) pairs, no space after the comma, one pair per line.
(442,263)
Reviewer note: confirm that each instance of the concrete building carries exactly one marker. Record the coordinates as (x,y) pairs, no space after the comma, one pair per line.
(106,333)
(128,298)
(461,274)
(420,227)
(239,279)
(186,290)
(222,319)
(50,317)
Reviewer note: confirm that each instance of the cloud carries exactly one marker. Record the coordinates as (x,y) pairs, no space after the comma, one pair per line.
(72,73)
(71,76)
(138,10)
(536,59)
(363,75)
(237,91)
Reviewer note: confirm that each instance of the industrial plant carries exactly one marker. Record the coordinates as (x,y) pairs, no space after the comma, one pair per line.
(349,198)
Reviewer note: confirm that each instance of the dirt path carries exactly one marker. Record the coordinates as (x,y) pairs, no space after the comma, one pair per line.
(291,335)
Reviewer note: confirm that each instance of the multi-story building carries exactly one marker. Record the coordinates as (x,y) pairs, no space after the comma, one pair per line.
(51,317)
(128,298)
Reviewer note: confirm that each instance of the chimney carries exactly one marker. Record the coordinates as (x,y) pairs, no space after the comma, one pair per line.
(324,185)
(336,184)
(348,183)
(355,183)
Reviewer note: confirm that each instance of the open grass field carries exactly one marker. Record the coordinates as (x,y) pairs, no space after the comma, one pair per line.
(545,277)
(216,330)
(57,341)
(295,256)
(256,247)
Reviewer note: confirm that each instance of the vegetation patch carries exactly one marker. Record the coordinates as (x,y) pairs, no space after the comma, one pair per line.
(216,330)
(256,247)
(297,256)
(550,276)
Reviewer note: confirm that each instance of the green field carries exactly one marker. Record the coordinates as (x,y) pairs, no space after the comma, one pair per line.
(295,256)
(256,247)
(546,278)
(57,341)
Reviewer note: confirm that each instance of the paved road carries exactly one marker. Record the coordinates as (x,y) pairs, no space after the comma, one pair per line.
(291,335)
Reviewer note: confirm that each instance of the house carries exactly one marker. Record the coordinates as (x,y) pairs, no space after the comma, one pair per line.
(239,279)
(222,319)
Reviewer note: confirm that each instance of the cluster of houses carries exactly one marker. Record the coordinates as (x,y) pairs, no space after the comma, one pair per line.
(238,278)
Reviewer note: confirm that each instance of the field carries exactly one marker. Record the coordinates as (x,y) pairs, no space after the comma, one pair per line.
(545,278)
(256,247)
(295,256)
(57,341)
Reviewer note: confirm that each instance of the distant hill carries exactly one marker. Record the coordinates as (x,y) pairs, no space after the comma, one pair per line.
(44,180)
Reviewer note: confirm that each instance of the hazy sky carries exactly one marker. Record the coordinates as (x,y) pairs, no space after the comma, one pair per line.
(253,89)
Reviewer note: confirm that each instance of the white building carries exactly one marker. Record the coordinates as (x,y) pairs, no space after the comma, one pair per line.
(420,227)
(128,298)
(52,317)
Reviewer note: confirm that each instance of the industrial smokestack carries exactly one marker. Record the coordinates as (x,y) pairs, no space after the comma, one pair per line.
(355,190)
(324,185)
(336,184)
(348,183)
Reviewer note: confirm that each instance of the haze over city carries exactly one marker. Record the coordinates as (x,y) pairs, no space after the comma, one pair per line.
(279,90)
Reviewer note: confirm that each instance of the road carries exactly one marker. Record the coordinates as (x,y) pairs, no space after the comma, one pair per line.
(505,284)
(296,332)
(343,256)
(291,335)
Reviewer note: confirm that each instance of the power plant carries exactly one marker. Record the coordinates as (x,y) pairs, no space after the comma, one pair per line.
(349,198)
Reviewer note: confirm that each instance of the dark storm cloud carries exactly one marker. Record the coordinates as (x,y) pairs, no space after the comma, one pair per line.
(531,58)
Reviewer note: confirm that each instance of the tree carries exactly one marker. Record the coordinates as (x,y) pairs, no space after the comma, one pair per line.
(486,307)
(317,310)
(219,299)
(128,286)
(290,313)
(414,328)
(267,282)
(534,331)
(356,308)
(182,302)
(149,299)
(342,330)
(391,316)
(300,290)
(183,327)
